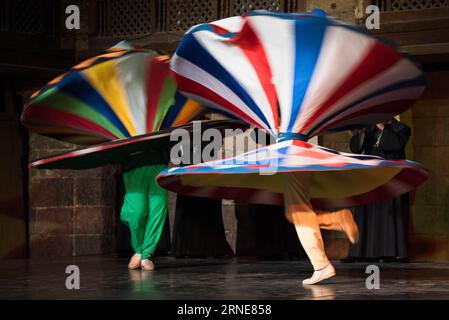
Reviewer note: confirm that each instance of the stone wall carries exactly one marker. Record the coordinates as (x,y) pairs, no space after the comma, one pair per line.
(71,212)
(429,118)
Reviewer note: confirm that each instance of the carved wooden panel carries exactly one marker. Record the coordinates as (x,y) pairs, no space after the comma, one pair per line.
(401,5)
(240,7)
(295,6)
(132,17)
(182,14)
(26,17)
(120,18)
(417,4)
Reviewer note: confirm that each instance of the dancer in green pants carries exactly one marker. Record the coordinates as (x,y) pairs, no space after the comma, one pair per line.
(144,210)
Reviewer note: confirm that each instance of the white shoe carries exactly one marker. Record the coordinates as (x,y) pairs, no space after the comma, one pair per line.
(320,275)
(147,265)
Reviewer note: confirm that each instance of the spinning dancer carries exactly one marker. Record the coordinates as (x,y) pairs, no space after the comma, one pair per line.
(297,76)
(106,102)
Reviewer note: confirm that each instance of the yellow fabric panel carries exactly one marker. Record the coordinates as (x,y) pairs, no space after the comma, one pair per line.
(104,78)
(326,184)
(190,110)
(346,183)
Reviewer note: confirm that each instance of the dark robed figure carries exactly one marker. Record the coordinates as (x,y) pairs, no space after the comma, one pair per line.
(383,225)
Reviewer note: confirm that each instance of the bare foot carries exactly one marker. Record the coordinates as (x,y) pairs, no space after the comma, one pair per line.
(134,262)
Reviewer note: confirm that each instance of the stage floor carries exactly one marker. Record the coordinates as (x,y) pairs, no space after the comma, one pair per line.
(108,278)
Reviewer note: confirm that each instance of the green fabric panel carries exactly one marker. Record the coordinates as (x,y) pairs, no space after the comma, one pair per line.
(61,101)
(166,100)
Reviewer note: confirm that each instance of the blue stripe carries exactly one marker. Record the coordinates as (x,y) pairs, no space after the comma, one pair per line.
(319,12)
(309,37)
(416,82)
(191,50)
(284,136)
(316,15)
(201,27)
(174,110)
(288,16)
(76,85)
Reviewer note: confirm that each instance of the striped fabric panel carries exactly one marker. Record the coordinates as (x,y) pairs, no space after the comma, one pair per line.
(301,73)
(340,179)
(120,93)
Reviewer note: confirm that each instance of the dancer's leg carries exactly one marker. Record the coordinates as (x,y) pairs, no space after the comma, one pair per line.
(341,220)
(157,199)
(300,212)
(135,209)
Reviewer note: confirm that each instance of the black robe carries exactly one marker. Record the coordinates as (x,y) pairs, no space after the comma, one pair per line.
(276,237)
(383,225)
(198,230)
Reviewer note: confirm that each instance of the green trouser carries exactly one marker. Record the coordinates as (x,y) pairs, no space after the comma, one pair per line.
(144,208)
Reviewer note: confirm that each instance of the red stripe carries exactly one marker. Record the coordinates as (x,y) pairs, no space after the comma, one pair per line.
(190,86)
(303,144)
(35,113)
(157,72)
(315,155)
(251,46)
(379,58)
(257,166)
(218,29)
